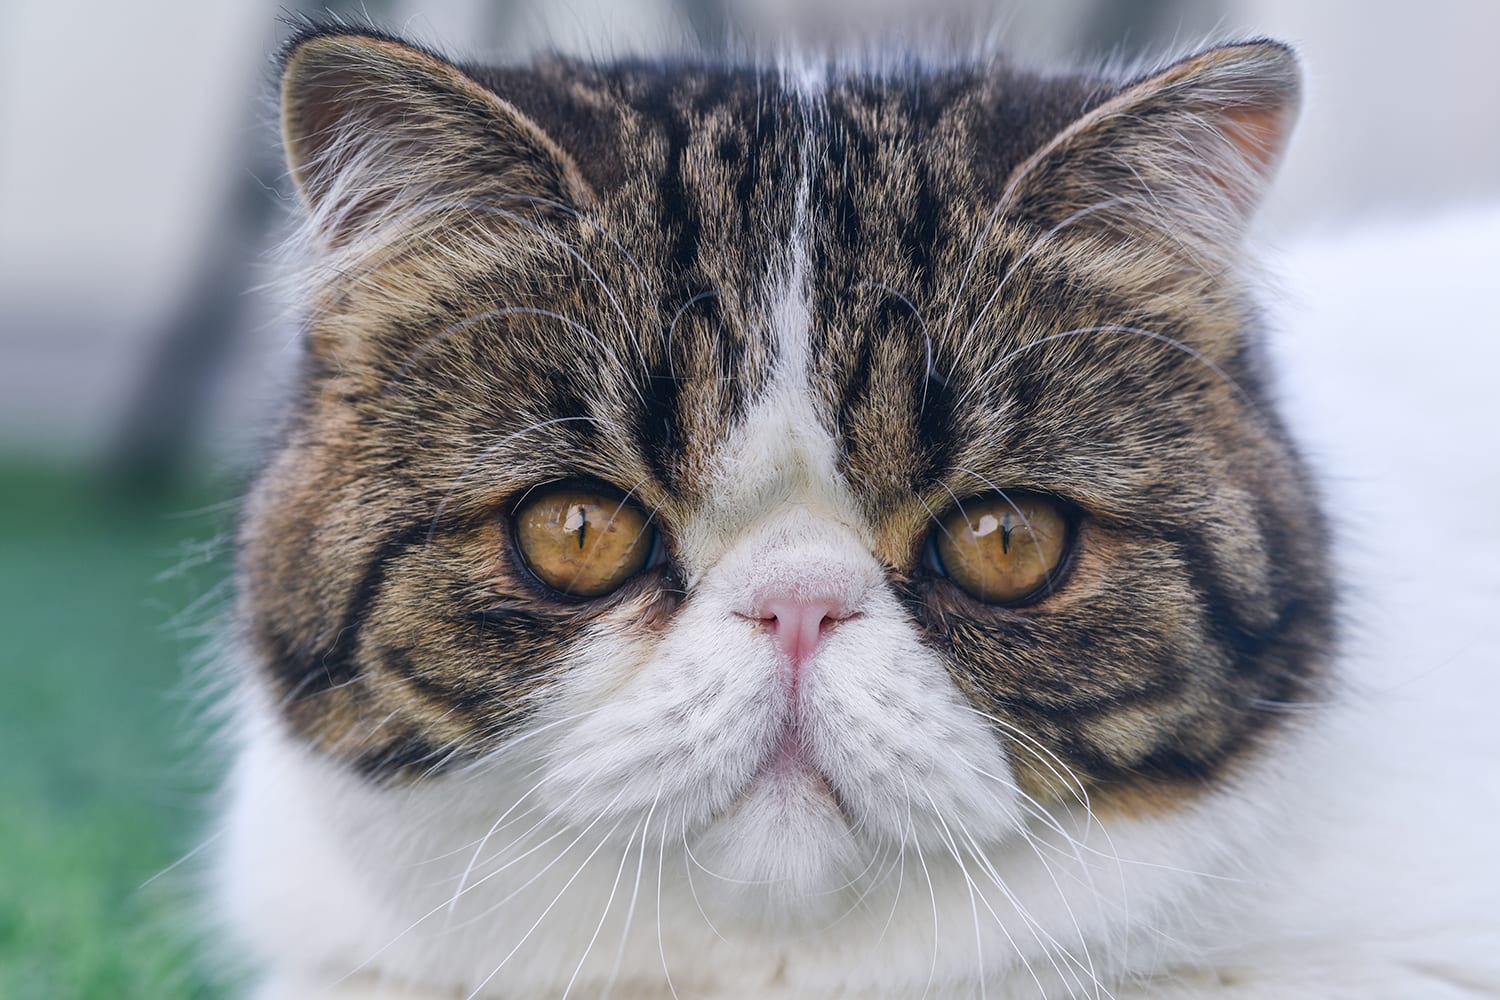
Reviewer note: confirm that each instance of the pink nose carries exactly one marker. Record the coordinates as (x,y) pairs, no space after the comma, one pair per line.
(798,625)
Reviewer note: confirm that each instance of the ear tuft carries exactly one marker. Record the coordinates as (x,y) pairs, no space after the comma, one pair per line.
(372,125)
(1183,155)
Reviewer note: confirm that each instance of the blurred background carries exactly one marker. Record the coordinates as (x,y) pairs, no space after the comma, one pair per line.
(141,195)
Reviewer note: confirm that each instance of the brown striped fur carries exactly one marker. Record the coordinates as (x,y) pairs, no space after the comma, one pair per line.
(555,272)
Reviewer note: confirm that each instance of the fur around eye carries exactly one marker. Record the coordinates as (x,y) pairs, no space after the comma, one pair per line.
(583,543)
(836,735)
(1004,548)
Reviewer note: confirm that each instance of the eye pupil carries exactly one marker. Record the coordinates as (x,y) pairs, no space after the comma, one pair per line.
(581,516)
(583,543)
(1003,548)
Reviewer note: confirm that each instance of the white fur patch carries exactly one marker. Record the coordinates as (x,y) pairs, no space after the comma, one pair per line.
(633,835)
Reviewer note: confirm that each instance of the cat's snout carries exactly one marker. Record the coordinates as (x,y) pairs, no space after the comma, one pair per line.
(798,626)
(798,579)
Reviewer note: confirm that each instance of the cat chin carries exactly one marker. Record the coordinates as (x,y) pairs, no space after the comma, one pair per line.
(782,856)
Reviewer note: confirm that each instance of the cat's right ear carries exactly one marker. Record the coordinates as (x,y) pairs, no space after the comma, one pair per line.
(1175,161)
(376,129)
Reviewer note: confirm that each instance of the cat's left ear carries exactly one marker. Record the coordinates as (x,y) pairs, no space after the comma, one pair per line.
(1183,155)
(376,129)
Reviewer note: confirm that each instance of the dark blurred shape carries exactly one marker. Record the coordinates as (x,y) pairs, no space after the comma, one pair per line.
(1134,28)
(709,21)
(167,406)
(170,402)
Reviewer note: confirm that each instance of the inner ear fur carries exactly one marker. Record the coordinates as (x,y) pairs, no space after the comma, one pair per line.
(373,126)
(1179,158)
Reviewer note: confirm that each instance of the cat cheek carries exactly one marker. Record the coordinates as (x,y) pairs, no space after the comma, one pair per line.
(899,737)
(676,720)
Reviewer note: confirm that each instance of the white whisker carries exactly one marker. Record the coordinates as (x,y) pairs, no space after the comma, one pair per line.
(494,449)
(548,909)
(687,868)
(926,334)
(973,903)
(931,891)
(1026,255)
(661,944)
(988,376)
(447,333)
(635,892)
(614,887)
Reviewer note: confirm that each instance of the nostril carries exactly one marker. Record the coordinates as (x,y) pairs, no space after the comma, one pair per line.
(818,609)
(799,625)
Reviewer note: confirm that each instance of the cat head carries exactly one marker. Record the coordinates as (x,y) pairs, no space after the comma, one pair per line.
(792,458)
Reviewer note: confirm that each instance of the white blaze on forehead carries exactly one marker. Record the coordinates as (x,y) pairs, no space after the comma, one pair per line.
(782,456)
(790,314)
(804,74)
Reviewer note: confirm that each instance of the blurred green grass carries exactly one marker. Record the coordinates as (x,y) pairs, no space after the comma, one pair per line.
(104,769)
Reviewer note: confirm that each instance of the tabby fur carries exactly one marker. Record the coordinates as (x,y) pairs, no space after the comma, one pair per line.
(796,313)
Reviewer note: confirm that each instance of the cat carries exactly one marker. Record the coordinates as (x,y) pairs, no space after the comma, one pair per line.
(808,531)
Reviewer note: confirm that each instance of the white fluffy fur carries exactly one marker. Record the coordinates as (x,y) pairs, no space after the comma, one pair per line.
(1357,861)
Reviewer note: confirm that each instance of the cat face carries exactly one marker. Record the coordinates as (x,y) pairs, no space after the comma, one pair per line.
(797,462)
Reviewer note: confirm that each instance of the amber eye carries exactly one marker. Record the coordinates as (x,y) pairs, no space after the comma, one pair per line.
(583,543)
(1003,548)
